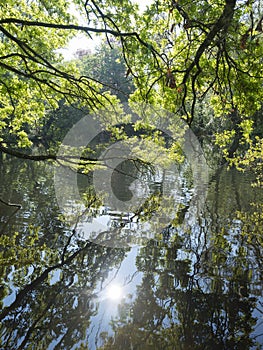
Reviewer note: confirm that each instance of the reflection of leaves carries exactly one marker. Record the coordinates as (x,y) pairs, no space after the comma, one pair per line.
(62,305)
(203,305)
(198,287)
(148,208)
(50,269)
(17,253)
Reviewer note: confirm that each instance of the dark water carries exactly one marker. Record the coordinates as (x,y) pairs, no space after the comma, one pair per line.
(197,284)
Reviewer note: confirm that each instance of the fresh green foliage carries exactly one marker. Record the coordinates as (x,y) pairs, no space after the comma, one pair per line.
(107,66)
(202,61)
(33,76)
(199,60)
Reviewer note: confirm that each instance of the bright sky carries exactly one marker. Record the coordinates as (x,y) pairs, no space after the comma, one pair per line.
(82,42)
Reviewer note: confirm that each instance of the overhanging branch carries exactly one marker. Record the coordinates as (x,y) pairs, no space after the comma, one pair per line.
(85,29)
(221,25)
(71,159)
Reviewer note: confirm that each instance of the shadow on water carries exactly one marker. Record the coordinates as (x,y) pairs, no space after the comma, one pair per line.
(194,286)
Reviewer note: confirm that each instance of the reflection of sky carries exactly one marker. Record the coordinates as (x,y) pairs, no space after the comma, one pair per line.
(131,234)
(11,297)
(102,228)
(127,278)
(258,330)
(8,300)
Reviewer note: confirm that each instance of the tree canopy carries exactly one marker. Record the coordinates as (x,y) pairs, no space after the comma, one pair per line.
(201,60)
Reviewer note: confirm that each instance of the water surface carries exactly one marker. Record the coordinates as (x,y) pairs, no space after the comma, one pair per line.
(195,284)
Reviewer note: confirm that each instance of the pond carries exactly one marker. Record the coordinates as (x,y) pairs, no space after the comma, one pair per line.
(195,283)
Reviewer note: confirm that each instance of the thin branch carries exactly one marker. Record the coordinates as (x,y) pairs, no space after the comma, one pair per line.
(41,278)
(222,23)
(18,206)
(44,157)
(33,56)
(85,29)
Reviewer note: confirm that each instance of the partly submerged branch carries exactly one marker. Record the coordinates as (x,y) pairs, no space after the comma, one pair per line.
(71,159)
(18,206)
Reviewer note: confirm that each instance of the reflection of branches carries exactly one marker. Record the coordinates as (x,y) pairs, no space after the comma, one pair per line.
(112,278)
(34,324)
(17,206)
(31,286)
(99,328)
(130,278)
(67,245)
(156,326)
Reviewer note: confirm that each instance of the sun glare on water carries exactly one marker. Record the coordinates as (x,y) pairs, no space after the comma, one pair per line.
(114,292)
